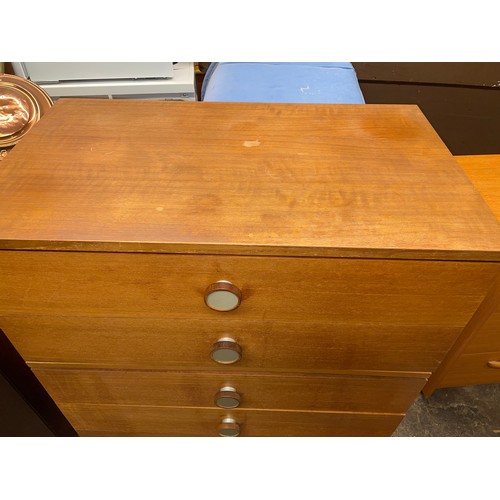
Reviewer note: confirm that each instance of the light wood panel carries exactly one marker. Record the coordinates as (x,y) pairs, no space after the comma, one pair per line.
(111,420)
(279,392)
(266,345)
(487,338)
(488,307)
(351,291)
(466,362)
(484,172)
(470,369)
(181,177)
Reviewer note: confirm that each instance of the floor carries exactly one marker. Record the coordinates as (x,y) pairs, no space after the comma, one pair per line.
(472,411)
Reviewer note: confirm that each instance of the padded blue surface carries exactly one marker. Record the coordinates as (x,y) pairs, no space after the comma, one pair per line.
(333,82)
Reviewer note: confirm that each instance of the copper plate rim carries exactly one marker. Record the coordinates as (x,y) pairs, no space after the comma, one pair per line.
(37,97)
(45,101)
(34,115)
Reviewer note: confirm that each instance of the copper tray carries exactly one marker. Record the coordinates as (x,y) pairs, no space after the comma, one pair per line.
(22,104)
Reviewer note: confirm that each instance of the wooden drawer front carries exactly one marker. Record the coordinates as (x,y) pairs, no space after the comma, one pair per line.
(349,291)
(472,369)
(487,339)
(318,393)
(266,345)
(113,420)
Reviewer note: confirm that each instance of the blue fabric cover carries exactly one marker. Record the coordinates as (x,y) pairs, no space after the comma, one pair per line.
(333,83)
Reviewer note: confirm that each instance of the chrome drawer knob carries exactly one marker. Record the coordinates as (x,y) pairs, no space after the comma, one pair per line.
(222,296)
(226,351)
(229,428)
(227,397)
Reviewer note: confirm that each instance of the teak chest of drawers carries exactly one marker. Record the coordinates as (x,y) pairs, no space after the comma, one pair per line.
(196,269)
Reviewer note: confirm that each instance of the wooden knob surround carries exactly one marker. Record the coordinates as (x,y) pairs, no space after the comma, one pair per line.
(229,428)
(227,397)
(225,351)
(222,296)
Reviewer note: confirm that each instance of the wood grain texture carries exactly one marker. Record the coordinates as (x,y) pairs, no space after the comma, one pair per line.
(465,363)
(350,291)
(469,369)
(487,338)
(309,347)
(337,180)
(271,392)
(484,173)
(116,420)
(488,307)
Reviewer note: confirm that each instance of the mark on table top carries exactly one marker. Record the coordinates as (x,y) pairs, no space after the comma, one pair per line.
(251,144)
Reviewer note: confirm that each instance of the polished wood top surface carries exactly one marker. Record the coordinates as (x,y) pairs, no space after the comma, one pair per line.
(241,178)
(484,172)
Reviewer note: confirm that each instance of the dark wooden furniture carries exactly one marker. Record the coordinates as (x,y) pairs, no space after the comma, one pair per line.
(461,100)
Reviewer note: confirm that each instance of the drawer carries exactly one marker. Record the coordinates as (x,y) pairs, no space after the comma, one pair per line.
(166,344)
(487,339)
(472,369)
(283,392)
(115,420)
(346,291)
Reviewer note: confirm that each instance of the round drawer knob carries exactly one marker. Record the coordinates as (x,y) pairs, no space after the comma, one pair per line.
(222,296)
(226,351)
(227,397)
(493,364)
(229,428)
